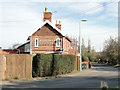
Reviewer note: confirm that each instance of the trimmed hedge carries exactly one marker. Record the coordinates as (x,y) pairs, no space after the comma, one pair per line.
(42,64)
(52,64)
(63,64)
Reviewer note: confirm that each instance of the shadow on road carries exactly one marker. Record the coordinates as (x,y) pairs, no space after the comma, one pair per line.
(103,67)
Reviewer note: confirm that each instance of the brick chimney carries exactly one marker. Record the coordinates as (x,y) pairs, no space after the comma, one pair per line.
(47,15)
(58,24)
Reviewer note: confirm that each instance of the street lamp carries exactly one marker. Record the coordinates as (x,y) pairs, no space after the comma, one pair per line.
(80,42)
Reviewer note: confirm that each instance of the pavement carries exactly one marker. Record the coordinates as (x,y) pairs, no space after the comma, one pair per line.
(95,77)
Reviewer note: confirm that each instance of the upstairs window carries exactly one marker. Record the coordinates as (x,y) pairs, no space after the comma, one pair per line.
(36,42)
(57,42)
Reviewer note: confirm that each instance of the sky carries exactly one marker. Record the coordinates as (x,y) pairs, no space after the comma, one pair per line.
(20,18)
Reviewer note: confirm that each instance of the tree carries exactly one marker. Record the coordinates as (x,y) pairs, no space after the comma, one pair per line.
(110,51)
(83,48)
(89,46)
(74,43)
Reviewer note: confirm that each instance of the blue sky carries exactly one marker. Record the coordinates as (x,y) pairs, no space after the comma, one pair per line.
(19,19)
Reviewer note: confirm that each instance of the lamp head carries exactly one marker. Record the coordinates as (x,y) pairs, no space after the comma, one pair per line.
(84,20)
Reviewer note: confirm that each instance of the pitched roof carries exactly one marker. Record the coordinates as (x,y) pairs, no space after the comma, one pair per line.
(28,41)
(53,26)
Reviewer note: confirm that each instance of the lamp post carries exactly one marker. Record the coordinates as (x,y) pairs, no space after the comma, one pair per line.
(80,42)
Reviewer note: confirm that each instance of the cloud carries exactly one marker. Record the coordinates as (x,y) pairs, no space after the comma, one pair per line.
(112,9)
(88,8)
(20,21)
(95,33)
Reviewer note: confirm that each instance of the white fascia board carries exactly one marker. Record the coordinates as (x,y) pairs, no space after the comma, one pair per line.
(51,24)
(28,41)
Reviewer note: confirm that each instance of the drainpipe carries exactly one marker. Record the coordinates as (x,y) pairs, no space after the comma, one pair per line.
(63,44)
(31,45)
(18,51)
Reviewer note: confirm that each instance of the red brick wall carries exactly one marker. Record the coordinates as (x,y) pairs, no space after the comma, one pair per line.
(46,40)
(8,51)
(67,46)
(86,64)
(22,48)
(77,65)
(47,16)
(71,51)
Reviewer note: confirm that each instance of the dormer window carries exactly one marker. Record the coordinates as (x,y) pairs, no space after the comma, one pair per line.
(57,42)
(36,42)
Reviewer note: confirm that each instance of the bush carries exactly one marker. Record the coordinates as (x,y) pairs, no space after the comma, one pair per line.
(52,64)
(104,88)
(7,79)
(63,64)
(16,78)
(85,59)
(42,64)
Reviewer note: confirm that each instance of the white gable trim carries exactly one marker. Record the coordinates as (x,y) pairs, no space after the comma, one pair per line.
(51,24)
(28,41)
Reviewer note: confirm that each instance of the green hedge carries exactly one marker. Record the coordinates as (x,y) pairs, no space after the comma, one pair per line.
(85,59)
(52,64)
(63,64)
(42,64)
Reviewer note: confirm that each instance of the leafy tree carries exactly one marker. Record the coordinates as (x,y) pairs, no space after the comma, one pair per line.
(110,51)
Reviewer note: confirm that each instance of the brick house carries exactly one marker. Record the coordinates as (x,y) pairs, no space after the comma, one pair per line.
(9,51)
(47,39)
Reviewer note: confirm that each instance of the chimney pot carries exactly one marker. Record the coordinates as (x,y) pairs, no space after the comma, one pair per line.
(59,22)
(46,9)
(56,21)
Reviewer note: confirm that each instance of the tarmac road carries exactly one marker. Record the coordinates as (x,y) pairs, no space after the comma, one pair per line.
(91,78)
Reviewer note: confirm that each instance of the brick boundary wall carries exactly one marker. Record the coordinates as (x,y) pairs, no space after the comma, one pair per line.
(77,64)
(87,63)
(16,65)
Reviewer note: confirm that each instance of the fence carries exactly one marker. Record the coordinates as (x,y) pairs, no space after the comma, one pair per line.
(16,65)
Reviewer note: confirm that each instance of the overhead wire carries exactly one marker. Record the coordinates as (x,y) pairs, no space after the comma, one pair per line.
(62,17)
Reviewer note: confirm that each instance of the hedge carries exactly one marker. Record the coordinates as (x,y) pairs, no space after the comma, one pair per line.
(63,64)
(52,64)
(42,64)
(85,59)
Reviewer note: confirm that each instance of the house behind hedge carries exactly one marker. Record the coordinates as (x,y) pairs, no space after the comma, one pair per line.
(47,39)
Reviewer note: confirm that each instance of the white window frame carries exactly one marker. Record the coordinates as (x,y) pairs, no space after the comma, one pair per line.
(58,45)
(27,47)
(36,42)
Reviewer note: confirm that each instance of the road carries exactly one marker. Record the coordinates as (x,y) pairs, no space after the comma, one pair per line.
(91,78)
